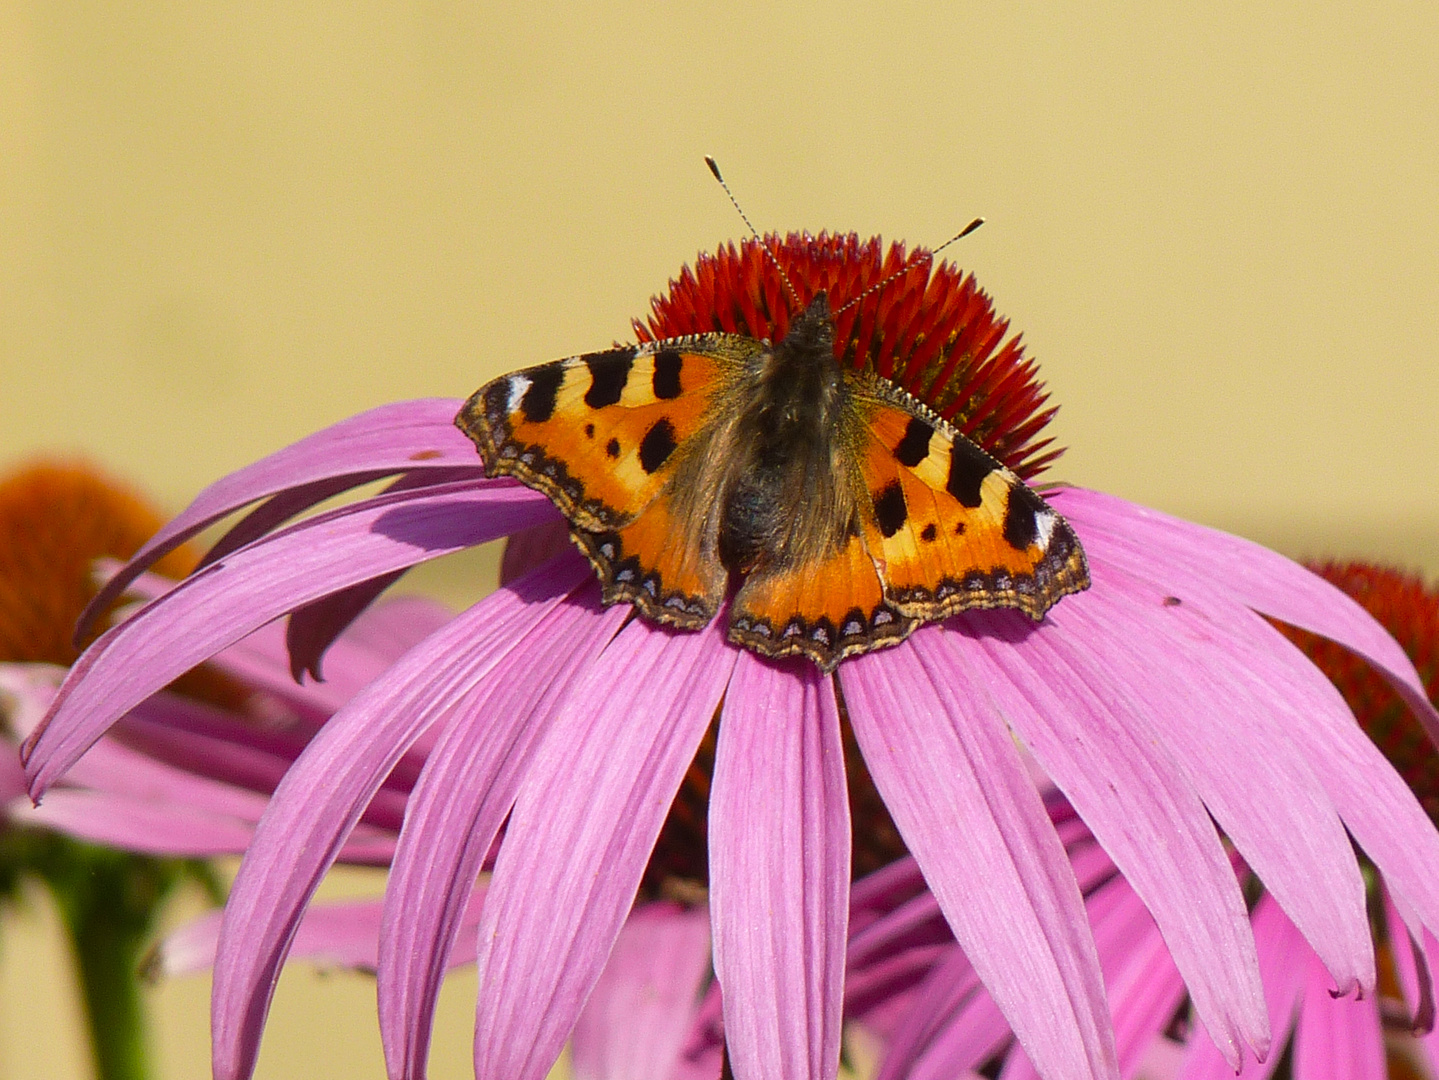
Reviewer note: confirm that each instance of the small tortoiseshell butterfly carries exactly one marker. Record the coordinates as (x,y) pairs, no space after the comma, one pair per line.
(844,511)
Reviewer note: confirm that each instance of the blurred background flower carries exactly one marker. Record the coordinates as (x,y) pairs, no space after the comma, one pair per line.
(56,520)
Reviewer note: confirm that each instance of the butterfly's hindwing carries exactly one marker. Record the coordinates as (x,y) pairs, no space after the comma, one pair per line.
(951,528)
(826,608)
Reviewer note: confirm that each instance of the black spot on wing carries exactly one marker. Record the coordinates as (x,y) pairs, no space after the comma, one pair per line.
(914,447)
(1020,527)
(668,363)
(613,448)
(968,466)
(930,533)
(657,445)
(608,374)
(538,404)
(889,509)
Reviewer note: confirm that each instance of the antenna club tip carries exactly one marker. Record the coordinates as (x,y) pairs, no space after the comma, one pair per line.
(714,168)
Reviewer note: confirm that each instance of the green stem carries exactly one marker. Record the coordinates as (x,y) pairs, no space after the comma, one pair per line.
(108,941)
(108,901)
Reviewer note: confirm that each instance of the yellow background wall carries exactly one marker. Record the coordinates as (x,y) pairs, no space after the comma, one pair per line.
(223,225)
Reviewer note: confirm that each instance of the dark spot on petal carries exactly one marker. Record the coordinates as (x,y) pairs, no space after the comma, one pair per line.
(657,445)
(608,374)
(1020,527)
(668,363)
(538,404)
(929,533)
(889,509)
(968,466)
(1172,601)
(914,447)
(425,455)
(613,448)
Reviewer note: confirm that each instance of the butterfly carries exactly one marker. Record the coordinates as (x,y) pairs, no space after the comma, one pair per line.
(841,511)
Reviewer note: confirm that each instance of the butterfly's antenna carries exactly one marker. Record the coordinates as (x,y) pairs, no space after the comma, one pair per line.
(788,285)
(976,223)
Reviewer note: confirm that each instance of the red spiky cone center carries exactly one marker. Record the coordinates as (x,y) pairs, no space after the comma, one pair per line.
(930,328)
(1409,610)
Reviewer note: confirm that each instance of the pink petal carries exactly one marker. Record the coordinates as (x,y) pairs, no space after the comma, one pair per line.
(1338,1038)
(1375,804)
(1070,698)
(966,808)
(955,1026)
(1212,699)
(1283,962)
(952,1024)
(325,792)
(312,629)
(582,829)
(344,934)
(401,436)
(642,1007)
(779,843)
(228,600)
(1190,557)
(457,808)
(123,821)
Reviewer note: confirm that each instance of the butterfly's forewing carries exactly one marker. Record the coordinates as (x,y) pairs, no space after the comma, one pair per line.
(602,435)
(952,529)
(826,608)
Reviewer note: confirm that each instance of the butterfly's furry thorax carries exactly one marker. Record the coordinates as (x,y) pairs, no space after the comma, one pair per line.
(786,490)
(835,511)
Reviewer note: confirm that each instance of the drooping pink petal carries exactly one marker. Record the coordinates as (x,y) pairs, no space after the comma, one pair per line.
(338,934)
(642,1007)
(1082,720)
(1214,703)
(375,640)
(1415,967)
(278,509)
(147,826)
(228,600)
(583,826)
(312,629)
(1191,558)
(779,845)
(1143,984)
(1376,806)
(967,810)
(458,805)
(1337,1038)
(325,792)
(398,437)
(1283,962)
(954,1025)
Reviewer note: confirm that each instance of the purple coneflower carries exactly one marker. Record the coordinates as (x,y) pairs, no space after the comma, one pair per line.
(565,729)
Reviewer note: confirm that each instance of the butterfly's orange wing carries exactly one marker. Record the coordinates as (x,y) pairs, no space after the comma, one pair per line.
(603,436)
(951,528)
(826,608)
